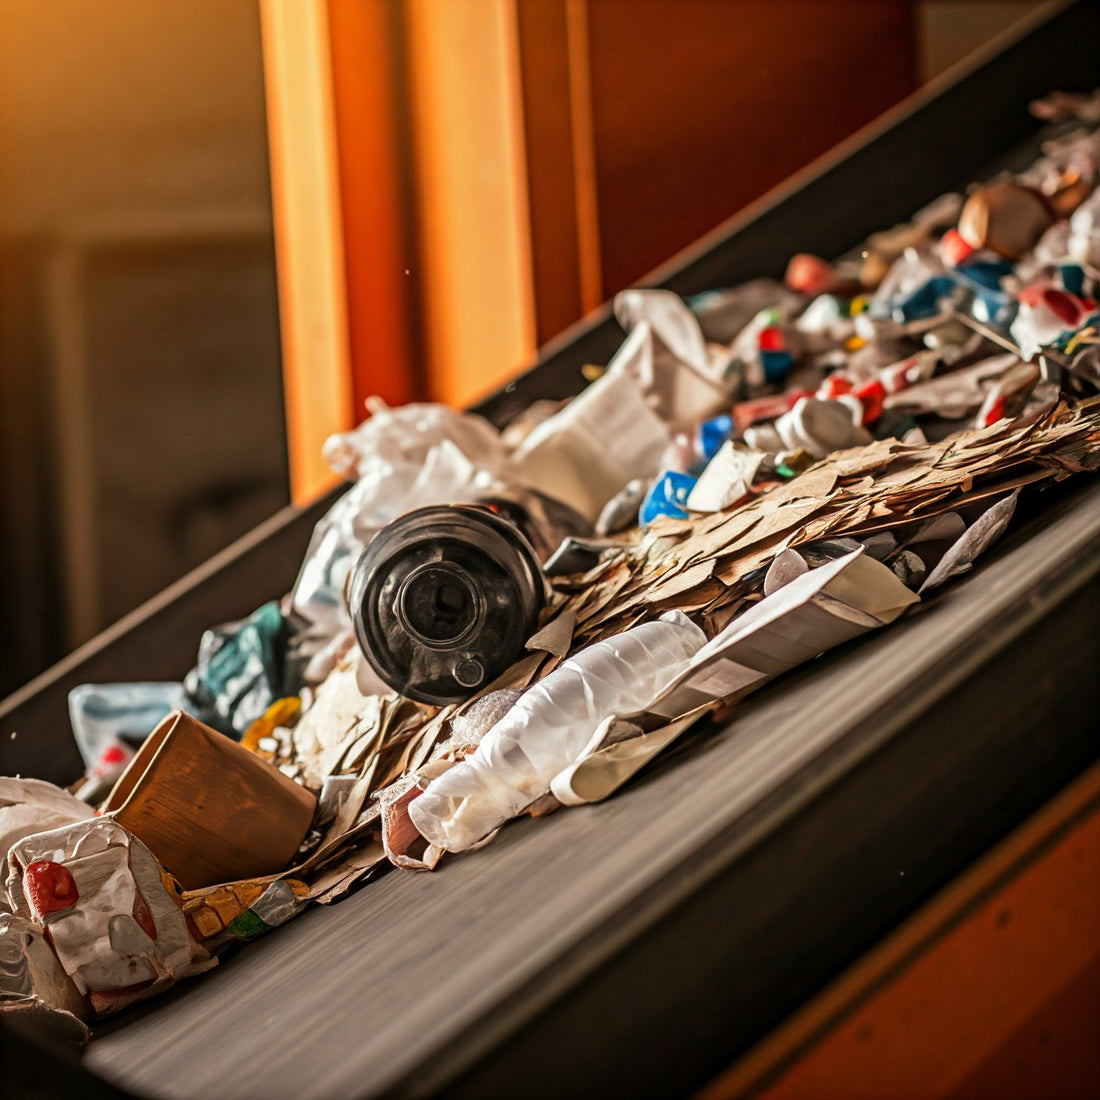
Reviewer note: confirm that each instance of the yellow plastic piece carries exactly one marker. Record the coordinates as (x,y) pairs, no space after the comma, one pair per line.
(279,713)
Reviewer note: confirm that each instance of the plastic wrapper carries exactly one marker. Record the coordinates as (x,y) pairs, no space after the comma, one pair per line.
(404,436)
(32,977)
(544,732)
(29,806)
(402,459)
(242,911)
(115,927)
(605,437)
(682,376)
(239,672)
(473,723)
(109,721)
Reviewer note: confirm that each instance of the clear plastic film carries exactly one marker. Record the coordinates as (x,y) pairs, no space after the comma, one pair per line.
(549,727)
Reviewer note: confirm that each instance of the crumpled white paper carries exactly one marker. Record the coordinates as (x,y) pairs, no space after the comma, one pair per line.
(402,458)
(100,930)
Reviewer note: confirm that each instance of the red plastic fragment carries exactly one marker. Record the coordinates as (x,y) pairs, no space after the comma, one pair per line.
(50,887)
(1068,308)
(993,412)
(954,249)
(113,758)
(746,413)
(810,275)
(143,917)
(896,378)
(794,396)
(772,339)
(833,386)
(871,395)
(113,754)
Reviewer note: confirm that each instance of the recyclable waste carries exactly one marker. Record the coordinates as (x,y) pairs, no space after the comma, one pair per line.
(760,473)
(517,760)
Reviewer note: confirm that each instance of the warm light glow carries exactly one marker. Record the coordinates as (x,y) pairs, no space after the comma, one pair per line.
(472,201)
(308,237)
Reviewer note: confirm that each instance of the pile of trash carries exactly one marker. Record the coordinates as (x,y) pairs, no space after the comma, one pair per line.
(497,622)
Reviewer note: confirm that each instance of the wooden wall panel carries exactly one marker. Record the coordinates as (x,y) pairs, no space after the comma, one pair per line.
(698,107)
(474,269)
(375,199)
(309,241)
(545,72)
(561,169)
(501,167)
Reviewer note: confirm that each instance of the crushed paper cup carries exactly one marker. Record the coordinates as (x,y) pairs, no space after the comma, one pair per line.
(210,810)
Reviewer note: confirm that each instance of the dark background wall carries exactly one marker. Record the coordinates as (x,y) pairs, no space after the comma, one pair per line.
(141,415)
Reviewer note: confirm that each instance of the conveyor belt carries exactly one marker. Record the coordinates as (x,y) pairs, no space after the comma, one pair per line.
(638,946)
(831,804)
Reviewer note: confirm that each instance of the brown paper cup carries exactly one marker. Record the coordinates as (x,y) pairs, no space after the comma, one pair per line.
(209,810)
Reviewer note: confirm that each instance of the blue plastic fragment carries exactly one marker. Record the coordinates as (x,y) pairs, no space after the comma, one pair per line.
(713,433)
(776,364)
(925,300)
(668,497)
(993,308)
(986,303)
(987,273)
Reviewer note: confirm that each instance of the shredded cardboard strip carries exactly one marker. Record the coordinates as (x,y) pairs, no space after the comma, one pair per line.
(716,565)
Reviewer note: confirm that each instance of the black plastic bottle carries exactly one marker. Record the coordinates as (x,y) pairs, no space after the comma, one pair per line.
(444,598)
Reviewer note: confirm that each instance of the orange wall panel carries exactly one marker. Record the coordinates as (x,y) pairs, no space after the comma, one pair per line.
(474,269)
(699,107)
(379,241)
(990,992)
(309,242)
